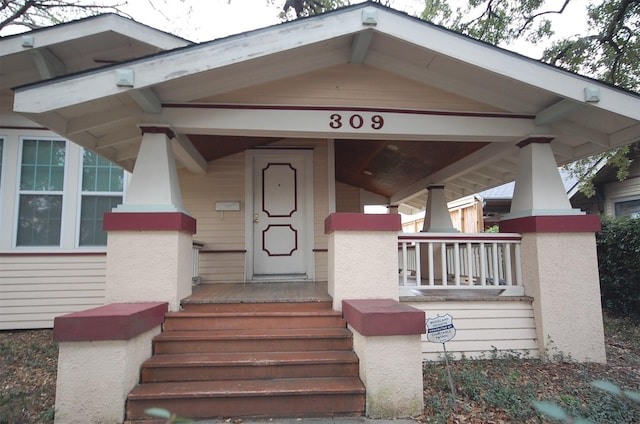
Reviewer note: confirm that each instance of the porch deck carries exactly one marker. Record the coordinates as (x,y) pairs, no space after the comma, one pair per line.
(285,292)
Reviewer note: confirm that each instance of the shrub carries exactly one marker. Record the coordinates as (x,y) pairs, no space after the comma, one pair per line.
(619,265)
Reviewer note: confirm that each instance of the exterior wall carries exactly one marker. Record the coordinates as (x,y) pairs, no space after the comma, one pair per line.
(351,85)
(35,288)
(482,326)
(550,280)
(222,258)
(629,189)
(347,198)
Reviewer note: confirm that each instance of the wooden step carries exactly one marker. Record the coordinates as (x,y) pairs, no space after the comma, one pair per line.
(251,398)
(257,306)
(177,321)
(247,366)
(249,340)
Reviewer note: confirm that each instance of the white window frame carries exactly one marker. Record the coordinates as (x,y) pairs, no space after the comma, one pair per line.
(81,193)
(622,200)
(19,192)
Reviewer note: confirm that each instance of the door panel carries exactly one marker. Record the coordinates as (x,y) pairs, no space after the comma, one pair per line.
(280,233)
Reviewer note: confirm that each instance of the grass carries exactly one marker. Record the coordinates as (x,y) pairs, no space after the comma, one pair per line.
(498,389)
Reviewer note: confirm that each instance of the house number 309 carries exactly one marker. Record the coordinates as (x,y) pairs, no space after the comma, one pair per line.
(355,121)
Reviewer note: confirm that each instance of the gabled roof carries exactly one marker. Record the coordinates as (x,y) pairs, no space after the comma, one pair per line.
(76,46)
(495,98)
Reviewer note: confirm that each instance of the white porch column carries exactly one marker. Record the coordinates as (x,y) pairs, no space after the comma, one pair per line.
(154,186)
(559,261)
(149,246)
(539,189)
(362,256)
(436,216)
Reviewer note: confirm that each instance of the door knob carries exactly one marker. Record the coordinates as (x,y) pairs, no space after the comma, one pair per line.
(256,218)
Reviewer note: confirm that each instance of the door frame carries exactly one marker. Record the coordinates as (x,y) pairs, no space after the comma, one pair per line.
(307,181)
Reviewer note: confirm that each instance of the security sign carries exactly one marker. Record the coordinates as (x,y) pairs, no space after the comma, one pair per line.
(440,329)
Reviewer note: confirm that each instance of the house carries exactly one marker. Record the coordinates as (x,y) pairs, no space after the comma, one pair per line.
(258,150)
(53,192)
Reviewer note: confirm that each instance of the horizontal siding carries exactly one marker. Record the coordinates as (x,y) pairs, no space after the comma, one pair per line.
(34,289)
(482,327)
(222,267)
(351,85)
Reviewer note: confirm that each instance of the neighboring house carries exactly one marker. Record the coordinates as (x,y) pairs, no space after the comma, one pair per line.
(54,192)
(612,197)
(263,147)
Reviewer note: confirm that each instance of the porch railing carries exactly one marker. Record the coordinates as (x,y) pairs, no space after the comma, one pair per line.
(196,246)
(445,260)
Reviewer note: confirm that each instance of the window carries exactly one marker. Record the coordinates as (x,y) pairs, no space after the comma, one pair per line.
(102,190)
(40,193)
(630,208)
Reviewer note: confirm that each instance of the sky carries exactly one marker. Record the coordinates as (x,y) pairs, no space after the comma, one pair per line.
(204,20)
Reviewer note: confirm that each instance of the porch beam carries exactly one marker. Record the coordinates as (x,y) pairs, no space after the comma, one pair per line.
(147,99)
(48,64)
(480,158)
(353,123)
(97,120)
(186,153)
(557,111)
(588,134)
(360,47)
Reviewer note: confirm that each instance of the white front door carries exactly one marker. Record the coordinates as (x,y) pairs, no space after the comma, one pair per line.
(280,215)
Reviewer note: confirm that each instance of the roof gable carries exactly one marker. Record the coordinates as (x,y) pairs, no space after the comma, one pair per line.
(97,111)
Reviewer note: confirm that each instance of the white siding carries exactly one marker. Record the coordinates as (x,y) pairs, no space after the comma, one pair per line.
(628,189)
(351,85)
(34,289)
(222,259)
(482,326)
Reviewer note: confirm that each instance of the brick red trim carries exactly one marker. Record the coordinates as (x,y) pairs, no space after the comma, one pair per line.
(383,317)
(117,321)
(552,224)
(149,221)
(534,140)
(362,222)
(346,109)
(158,130)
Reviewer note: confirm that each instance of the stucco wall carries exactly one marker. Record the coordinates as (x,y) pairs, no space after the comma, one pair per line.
(561,274)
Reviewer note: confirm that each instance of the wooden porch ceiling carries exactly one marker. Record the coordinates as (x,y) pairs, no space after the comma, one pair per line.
(379,166)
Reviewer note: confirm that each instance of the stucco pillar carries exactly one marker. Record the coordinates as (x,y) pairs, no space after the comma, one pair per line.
(149,244)
(100,353)
(387,340)
(559,259)
(437,218)
(362,256)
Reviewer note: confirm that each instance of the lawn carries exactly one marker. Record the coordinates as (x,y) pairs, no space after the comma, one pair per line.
(499,389)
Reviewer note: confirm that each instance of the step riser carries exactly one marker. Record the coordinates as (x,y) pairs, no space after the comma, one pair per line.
(234,323)
(257,307)
(247,372)
(271,406)
(251,345)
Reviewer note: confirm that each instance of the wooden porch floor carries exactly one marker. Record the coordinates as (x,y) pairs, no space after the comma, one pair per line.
(260,293)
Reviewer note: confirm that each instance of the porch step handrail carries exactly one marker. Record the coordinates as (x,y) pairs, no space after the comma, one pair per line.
(196,248)
(454,260)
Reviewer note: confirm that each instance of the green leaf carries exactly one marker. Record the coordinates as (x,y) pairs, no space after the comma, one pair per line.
(551,409)
(632,395)
(158,412)
(607,387)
